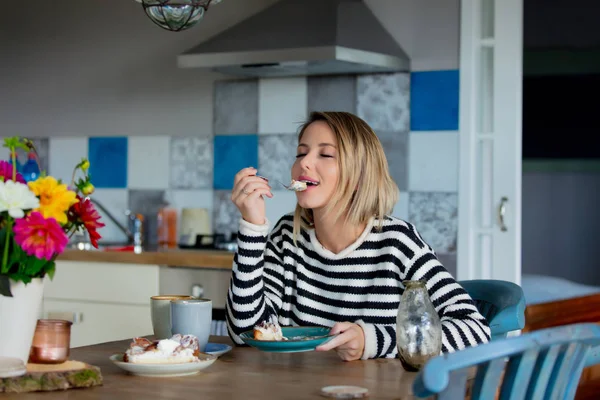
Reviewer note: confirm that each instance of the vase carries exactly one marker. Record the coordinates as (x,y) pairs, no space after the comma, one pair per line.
(418,327)
(18,318)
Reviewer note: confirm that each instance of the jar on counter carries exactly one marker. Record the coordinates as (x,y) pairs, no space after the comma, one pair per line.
(51,342)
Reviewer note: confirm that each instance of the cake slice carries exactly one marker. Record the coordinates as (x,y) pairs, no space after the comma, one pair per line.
(269,330)
(176,350)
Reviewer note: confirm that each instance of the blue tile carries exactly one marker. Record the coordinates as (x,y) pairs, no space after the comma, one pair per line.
(434,101)
(231,154)
(108,159)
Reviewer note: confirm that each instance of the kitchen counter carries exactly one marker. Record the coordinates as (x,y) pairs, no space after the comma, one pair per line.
(213,259)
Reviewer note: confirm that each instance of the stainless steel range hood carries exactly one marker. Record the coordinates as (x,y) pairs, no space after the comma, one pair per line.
(302,37)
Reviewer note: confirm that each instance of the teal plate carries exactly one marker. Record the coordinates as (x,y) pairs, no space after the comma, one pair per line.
(300,338)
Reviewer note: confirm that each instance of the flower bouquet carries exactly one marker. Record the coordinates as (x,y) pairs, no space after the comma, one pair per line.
(38,218)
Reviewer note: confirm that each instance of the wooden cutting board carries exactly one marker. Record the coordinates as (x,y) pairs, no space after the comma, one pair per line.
(49,377)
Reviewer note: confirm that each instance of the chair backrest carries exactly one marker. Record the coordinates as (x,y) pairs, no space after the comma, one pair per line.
(544,364)
(502,303)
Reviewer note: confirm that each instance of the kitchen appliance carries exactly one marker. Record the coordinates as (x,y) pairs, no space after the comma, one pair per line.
(302,37)
(194,222)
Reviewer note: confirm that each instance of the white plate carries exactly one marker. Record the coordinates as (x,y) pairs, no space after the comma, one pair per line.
(164,370)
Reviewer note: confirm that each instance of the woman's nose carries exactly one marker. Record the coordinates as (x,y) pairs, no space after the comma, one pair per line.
(306,162)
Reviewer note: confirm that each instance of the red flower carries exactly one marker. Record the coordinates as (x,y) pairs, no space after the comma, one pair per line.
(6,172)
(40,237)
(84,213)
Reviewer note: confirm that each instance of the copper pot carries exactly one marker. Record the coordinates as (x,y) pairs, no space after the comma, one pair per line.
(51,342)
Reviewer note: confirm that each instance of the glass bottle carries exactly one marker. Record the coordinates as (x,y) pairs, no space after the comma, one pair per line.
(418,327)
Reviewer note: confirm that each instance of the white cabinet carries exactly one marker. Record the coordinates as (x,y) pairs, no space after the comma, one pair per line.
(105,301)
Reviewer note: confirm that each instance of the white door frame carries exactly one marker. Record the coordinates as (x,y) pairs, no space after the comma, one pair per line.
(490,172)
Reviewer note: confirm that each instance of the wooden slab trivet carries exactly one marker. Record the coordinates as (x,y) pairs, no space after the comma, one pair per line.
(49,377)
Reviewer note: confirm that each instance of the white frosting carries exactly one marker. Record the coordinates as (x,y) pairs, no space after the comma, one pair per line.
(298,185)
(167,351)
(167,346)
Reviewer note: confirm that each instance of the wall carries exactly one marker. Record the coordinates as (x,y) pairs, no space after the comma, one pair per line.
(107,86)
(560,225)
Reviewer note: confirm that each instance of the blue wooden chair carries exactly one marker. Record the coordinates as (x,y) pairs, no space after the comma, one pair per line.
(544,364)
(502,303)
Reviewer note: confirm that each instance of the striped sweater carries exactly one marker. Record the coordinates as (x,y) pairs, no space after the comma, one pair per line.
(309,285)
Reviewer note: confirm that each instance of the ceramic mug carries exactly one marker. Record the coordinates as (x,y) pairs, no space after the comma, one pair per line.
(161,314)
(192,317)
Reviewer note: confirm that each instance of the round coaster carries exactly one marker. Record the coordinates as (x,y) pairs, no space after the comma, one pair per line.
(11,367)
(345,392)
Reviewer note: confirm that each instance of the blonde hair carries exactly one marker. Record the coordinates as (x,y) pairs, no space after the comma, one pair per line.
(365,188)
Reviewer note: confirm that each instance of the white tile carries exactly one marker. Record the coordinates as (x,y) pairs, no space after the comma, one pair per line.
(4,152)
(401,207)
(115,201)
(433,161)
(283,202)
(282,104)
(148,162)
(192,199)
(64,153)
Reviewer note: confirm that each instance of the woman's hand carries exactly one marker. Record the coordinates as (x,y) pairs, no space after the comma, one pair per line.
(349,344)
(247,193)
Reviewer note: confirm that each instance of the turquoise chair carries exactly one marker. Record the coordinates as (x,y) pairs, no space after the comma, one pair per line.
(502,303)
(544,364)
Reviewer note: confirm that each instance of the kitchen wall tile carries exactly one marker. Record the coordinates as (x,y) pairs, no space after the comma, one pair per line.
(401,207)
(116,201)
(396,145)
(434,100)
(433,161)
(192,199)
(108,159)
(282,104)
(191,163)
(383,101)
(64,154)
(236,107)
(148,162)
(232,153)
(276,154)
(283,202)
(226,216)
(332,93)
(435,215)
(147,203)
(43,151)
(4,152)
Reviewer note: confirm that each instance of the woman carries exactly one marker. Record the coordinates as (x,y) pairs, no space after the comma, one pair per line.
(339,260)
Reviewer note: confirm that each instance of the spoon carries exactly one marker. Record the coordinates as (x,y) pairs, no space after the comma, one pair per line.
(297,188)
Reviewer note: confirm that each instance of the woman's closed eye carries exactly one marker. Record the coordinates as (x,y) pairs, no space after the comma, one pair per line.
(300,155)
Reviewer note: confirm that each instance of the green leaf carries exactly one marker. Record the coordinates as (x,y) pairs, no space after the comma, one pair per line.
(51,269)
(19,277)
(5,286)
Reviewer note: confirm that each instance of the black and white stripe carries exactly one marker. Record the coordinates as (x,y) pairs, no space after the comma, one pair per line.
(307,285)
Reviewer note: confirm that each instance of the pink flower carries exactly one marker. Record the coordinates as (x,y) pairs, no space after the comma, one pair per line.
(40,237)
(6,172)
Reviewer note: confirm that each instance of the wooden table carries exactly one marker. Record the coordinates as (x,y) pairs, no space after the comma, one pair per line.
(243,373)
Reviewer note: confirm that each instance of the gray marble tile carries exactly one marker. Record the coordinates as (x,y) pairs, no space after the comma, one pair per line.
(332,93)
(395,145)
(435,215)
(383,100)
(236,107)
(147,203)
(448,260)
(276,154)
(191,163)
(226,216)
